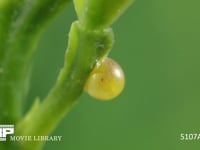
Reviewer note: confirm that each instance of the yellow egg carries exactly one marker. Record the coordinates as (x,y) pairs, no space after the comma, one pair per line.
(106,81)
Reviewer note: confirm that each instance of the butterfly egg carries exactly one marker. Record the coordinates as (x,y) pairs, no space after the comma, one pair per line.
(106,81)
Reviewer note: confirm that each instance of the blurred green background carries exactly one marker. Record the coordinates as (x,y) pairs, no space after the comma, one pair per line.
(158,45)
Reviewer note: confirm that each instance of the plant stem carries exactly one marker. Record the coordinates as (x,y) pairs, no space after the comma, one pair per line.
(22,23)
(85,48)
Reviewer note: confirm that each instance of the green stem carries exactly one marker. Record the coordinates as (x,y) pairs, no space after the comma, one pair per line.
(85,48)
(21,25)
(8,14)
